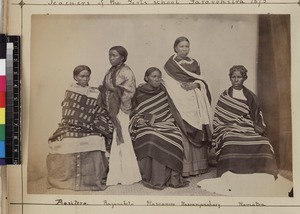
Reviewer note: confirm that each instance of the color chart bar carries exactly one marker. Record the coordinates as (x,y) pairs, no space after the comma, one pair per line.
(2,98)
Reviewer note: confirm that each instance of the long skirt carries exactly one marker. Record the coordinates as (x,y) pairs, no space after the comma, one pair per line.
(78,171)
(158,176)
(123,166)
(195,160)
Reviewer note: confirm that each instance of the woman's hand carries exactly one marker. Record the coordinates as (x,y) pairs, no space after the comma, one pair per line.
(189,86)
(141,122)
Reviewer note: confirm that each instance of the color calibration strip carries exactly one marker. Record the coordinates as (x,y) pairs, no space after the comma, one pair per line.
(13,101)
(2,97)
(10,99)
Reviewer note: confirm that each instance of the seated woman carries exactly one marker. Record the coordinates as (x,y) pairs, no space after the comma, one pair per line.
(244,153)
(157,141)
(239,130)
(77,157)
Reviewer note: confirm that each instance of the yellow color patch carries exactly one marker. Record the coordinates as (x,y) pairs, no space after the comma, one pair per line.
(2,115)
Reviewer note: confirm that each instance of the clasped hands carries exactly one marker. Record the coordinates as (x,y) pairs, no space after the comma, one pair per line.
(189,86)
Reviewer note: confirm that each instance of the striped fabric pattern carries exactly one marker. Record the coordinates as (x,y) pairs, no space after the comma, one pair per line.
(163,140)
(82,117)
(239,148)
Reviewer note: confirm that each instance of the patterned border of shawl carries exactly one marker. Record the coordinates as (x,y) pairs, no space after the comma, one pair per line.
(78,122)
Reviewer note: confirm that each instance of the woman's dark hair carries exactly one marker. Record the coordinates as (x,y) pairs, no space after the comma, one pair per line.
(178,40)
(239,68)
(80,68)
(121,50)
(149,72)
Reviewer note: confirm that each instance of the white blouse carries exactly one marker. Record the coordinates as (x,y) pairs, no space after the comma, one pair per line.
(238,94)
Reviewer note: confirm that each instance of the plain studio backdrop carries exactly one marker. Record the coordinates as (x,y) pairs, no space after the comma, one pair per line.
(61,42)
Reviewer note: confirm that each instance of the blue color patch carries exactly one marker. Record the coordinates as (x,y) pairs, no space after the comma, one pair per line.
(2,149)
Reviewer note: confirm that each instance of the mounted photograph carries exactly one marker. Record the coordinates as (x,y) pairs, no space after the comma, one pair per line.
(160,105)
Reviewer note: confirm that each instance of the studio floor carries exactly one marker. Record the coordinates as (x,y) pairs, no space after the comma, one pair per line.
(40,187)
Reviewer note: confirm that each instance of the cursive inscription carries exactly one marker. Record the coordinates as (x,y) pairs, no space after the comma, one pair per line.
(255,204)
(151,2)
(52,2)
(166,2)
(138,2)
(113,204)
(151,203)
(75,202)
(208,204)
(216,2)
(114,2)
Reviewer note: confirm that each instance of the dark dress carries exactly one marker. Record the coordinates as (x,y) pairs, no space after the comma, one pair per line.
(158,144)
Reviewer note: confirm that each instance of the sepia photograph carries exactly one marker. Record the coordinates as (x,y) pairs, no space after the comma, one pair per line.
(160,105)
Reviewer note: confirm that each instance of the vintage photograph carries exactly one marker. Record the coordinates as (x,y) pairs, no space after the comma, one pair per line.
(160,104)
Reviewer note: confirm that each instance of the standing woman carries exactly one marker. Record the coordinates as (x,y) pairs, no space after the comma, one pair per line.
(191,97)
(117,90)
(77,157)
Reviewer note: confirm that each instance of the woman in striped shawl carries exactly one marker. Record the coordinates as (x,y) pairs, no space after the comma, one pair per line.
(246,164)
(77,157)
(157,140)
(239,130)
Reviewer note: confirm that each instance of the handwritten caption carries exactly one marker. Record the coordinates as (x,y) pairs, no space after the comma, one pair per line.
(155,2)
(113,204)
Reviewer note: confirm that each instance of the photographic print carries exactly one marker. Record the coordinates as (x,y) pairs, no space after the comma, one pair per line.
(160,104)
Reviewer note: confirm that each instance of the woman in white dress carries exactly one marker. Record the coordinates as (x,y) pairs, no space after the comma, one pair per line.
(117,90)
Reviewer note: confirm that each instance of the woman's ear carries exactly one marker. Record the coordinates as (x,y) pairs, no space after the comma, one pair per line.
(146,78)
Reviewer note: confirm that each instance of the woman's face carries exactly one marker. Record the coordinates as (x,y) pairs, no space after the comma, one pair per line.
(83,78)
(115,58)
(237,80)
(154,79)
(183,49)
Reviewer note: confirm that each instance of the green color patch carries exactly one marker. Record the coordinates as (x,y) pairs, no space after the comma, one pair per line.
(2,131)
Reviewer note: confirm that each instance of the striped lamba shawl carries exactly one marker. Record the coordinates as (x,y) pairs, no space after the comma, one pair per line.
(161,141)
(241,144)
